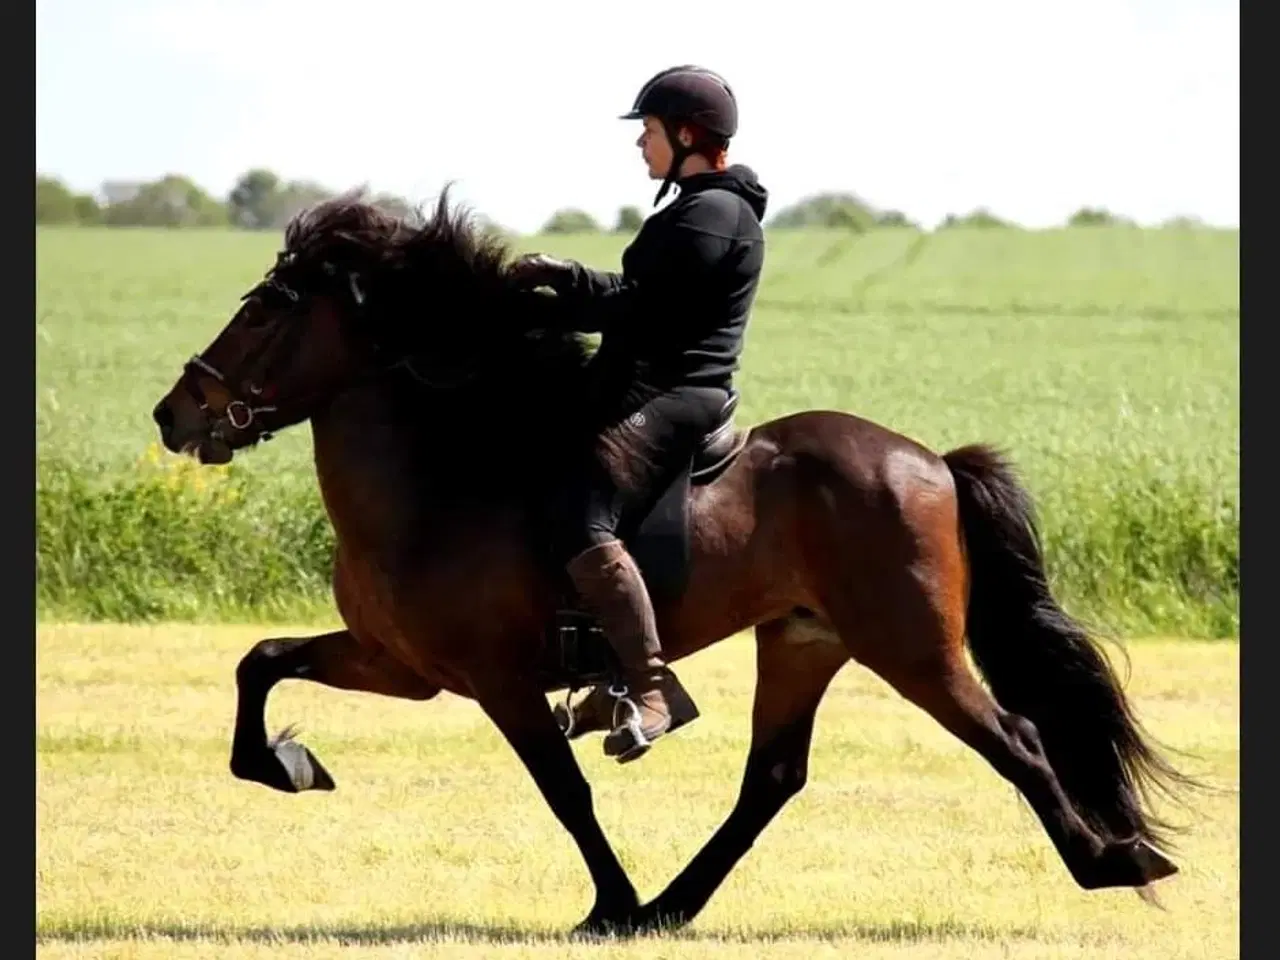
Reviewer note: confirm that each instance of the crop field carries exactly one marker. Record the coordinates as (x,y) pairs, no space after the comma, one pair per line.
(1104,361)
(436,843)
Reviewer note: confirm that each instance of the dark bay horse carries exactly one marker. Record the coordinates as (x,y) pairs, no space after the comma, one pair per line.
(442,401)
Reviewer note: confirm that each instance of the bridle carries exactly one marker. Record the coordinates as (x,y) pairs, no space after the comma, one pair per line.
(240,413)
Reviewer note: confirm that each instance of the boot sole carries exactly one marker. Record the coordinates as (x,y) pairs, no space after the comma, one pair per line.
(683,712)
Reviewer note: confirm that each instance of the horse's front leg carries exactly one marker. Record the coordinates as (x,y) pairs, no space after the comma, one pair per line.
(522,714)
(333,659)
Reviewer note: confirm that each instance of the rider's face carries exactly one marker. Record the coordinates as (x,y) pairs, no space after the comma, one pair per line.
(655,148)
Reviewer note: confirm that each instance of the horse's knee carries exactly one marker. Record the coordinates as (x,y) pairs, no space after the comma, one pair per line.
(775,780)
(262,661)
(790,778)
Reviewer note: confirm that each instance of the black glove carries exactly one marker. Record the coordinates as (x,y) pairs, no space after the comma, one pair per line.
(539,270)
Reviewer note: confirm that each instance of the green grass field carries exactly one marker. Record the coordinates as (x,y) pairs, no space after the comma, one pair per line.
(436,844)
(1104,360)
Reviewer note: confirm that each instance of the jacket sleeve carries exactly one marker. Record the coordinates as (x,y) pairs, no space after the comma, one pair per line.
(596,302)
(585,282)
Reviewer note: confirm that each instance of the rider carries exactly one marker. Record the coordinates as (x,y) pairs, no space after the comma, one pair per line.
(672,325)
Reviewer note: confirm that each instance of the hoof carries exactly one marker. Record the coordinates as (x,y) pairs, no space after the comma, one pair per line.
(305,772)
(1129,863)
(282,764)
(655,917)
(597,926)
(1153,864)
(618,921)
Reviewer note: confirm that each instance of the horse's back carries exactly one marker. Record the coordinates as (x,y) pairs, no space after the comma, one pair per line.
(812,444)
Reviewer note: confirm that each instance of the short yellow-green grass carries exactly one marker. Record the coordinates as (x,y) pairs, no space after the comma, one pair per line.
(436,843)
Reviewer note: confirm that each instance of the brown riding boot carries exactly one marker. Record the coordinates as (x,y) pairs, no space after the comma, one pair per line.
(652,701)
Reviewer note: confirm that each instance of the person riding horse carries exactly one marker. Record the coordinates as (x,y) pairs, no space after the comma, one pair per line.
(672,325)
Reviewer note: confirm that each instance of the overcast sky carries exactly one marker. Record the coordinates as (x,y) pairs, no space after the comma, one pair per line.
(1031,108)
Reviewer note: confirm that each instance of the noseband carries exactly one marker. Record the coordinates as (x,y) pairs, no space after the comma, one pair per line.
(239,413)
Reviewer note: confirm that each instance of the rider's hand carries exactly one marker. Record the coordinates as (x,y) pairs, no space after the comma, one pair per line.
(538,270)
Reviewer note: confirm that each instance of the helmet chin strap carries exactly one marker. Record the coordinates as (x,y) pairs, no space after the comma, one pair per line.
(679,153)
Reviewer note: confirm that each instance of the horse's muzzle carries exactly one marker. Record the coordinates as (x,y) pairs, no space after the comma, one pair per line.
(165,420)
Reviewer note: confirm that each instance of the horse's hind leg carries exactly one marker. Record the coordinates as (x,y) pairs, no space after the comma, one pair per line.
(333,659)
(917,647)
(795,662)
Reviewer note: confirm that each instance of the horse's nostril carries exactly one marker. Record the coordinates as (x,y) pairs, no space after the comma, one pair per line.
(164,417)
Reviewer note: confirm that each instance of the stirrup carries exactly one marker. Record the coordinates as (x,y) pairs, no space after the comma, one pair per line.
(566,710)
(632,722)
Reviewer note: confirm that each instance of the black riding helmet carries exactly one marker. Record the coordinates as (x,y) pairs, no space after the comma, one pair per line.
(688,94)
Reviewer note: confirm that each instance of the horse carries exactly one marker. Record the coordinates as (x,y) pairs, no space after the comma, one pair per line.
(443,401)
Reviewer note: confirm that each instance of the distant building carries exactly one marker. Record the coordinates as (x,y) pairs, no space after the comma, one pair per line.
(118,191)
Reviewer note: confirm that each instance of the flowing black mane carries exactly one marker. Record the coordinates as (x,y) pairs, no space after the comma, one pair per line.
(349,227)
(477,350)
(436,282)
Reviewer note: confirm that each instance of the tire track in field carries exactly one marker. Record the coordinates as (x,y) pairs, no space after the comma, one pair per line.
(875,277)
(1015,308)
(838,249)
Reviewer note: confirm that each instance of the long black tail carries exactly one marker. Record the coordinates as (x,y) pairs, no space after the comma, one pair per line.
(1042,665)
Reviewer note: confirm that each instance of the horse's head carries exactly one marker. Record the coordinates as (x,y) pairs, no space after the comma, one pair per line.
(354,292)
(293,343)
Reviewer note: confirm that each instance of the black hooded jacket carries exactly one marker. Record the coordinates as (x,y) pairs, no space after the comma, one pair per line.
(677,312)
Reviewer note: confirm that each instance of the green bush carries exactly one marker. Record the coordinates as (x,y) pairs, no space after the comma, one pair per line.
(177,541)
(1129,548)
(571,221)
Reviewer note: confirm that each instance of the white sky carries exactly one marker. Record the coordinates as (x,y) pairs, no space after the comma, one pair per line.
(1028,107)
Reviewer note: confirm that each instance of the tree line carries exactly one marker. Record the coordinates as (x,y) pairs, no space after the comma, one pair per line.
(262,200)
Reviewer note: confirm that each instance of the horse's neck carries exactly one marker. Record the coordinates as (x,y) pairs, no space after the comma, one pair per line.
(397,493)
(364,458)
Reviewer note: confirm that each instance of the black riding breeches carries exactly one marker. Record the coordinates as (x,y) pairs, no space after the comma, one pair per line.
(632,461)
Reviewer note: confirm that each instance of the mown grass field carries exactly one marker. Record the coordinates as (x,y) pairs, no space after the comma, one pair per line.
(1104,360)
(436,844)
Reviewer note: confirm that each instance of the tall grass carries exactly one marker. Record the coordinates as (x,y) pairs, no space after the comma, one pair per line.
(1105,361)
(177,541)
(1136,551)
